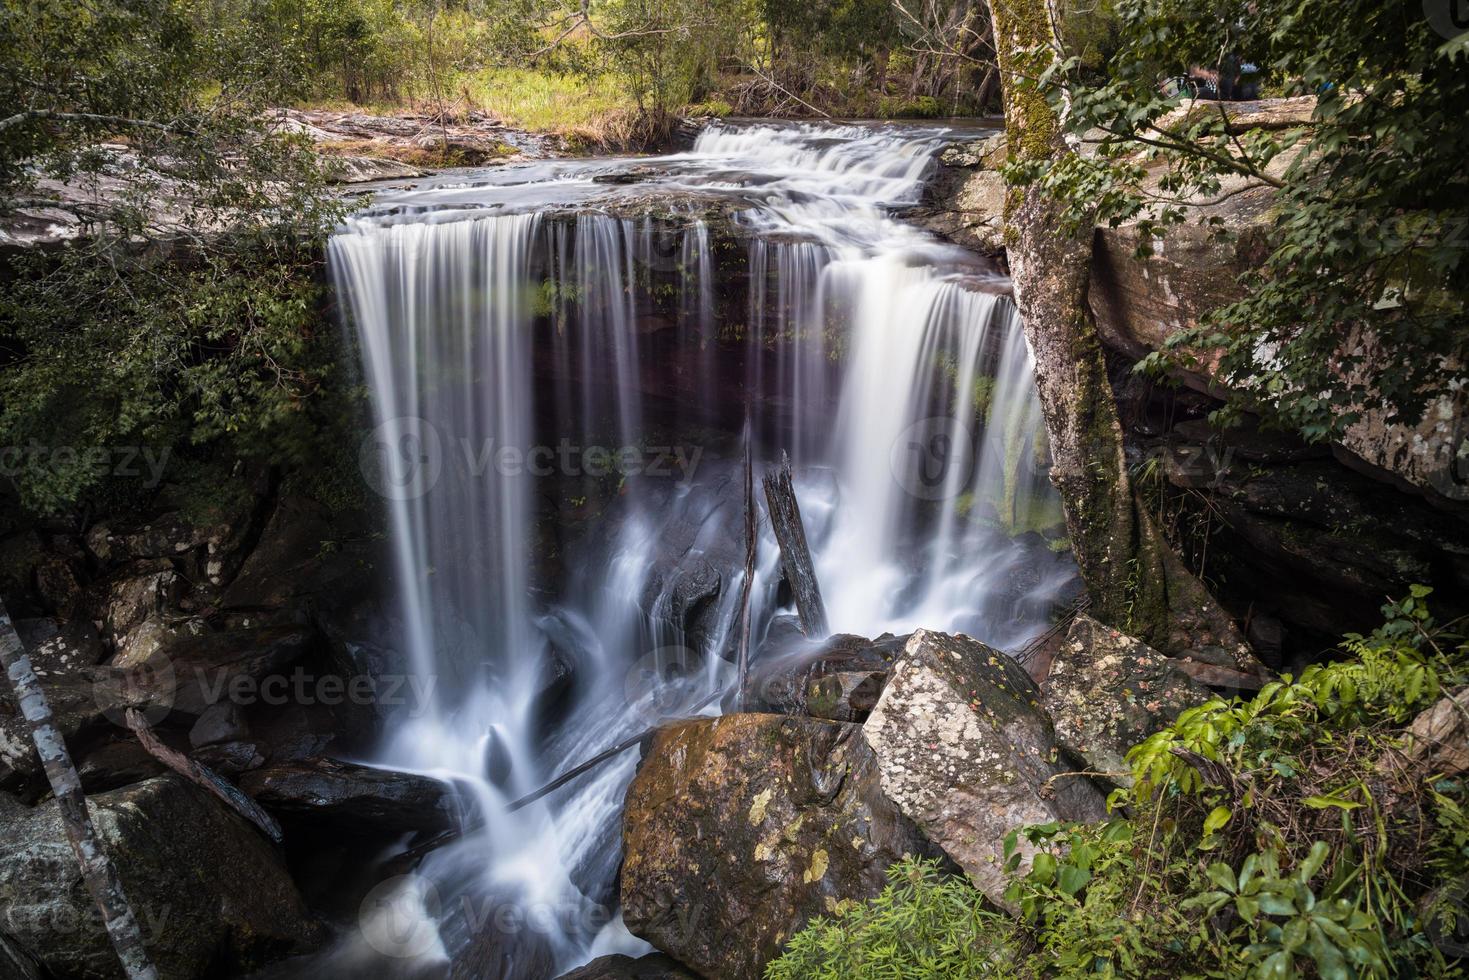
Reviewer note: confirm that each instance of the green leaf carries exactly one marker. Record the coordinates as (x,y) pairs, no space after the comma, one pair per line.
(1329,800)
(1073,879)
(1222,875)
(1217,818)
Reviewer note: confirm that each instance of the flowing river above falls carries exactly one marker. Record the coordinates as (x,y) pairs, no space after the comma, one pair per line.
(561,359)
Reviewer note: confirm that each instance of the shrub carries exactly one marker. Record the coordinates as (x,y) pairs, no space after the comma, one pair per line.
(1284,835)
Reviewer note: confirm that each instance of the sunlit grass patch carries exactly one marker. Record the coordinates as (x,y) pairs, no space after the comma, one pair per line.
(548,102)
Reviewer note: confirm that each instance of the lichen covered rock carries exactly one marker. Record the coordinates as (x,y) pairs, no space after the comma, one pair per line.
(966,752)
(1107,691)
(740,829)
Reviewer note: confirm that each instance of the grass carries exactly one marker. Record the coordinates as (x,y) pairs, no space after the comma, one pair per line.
(542,102)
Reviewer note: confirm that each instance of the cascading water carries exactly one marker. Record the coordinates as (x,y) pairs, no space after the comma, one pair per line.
(560,358)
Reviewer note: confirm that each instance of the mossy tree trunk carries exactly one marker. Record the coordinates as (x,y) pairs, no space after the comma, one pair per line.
(1135,581)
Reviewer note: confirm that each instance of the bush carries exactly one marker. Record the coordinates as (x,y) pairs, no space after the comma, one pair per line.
(1281,836)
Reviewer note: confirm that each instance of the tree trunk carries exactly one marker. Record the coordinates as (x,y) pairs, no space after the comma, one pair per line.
(795,555)
(1134,579)
(98,871)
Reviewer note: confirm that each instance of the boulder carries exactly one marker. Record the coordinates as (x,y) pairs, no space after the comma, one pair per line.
(966,752)
(738,830)
(1438,739)
(847,695)
(353,796)
(788,667)
(654,966)
(1107,691)
(116,762)
(210,893)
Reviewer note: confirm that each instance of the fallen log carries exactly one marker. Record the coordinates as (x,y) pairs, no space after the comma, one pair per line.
(202,775)
(98,871)
(742,659)
(795,556)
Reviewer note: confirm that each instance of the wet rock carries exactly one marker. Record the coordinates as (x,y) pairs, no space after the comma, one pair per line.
(114,763)
(59,584)
(654,966)
(231,758)
(331,791)
(361,170)
(787,666)
(162,537)
(16,963)
(190,674)
(738,830)
(220,722)
(519,954)
(848,695)
(135,595)
(966,752)
(210,893)
(287,560)
(1107,691)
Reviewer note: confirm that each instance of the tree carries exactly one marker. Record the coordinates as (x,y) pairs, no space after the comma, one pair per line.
(98,871)
(182,316)
(1360,305)
(1134,579)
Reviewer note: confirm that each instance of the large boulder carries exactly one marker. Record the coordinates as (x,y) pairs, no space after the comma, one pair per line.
(966,752)
(738,830)
(1107,691)
(210,893)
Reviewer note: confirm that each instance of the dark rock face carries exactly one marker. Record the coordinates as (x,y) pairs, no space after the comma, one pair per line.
(654,966)
(1107,691)
(357,796)
(966,752)
(210,892)
(1305,546)
(740,829)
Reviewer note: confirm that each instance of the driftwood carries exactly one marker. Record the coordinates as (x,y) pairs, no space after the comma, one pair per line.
(795,556)
(742,658)
(98,871)
(598,759)
(202,775)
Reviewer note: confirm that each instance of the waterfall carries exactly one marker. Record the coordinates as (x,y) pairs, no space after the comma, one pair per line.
(559,367)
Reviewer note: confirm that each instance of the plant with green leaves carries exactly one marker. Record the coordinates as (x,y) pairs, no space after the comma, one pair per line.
(1284,835)
(184,315)
(1359,302)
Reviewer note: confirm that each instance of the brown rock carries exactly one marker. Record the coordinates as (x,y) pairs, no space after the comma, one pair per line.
(738,830)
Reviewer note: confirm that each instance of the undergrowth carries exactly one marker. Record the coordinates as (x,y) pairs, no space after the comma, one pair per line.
(1298,833)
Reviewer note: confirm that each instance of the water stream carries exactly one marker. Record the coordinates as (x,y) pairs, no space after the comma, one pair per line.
(561,359)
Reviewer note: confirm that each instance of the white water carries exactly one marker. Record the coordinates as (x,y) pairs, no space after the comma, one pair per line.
(491,318)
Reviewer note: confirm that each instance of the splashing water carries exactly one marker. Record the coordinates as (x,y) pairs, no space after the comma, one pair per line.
(520,326)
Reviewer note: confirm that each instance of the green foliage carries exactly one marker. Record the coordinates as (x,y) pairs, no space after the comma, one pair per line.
(185,319)
(1283,835)
(1365,257)
(925,924)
